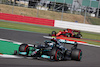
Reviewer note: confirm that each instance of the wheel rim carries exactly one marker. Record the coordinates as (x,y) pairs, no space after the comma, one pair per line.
(80,55)
(57,55)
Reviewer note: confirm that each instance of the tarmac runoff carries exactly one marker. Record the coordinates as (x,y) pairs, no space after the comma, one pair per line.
(90,57)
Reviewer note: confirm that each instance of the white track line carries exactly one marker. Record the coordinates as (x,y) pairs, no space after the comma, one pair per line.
(11,41)
(9,56)
(15,42)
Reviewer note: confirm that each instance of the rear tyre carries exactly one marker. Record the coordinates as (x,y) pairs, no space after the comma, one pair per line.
(76,54)
(79,35)
(24,48)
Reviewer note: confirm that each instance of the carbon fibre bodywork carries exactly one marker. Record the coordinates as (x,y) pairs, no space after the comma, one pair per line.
(52,49)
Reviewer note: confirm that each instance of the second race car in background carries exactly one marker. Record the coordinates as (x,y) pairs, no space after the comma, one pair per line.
(67,33)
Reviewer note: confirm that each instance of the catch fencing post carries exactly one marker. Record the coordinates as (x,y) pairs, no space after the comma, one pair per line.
(98,9)
(54,6)
(13,7)
(62,10)
(85,15)
(37,10)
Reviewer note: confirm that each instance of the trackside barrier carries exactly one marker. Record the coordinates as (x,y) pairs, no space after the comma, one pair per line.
(26,19)
(77,26)
(47,22)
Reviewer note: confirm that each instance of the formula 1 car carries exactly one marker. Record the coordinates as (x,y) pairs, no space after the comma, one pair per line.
(52,50)
(67,33)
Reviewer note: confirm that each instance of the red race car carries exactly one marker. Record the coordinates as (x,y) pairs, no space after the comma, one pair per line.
(67,33)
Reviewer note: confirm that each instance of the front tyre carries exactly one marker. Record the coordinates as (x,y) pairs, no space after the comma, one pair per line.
(24,49)
(76,54)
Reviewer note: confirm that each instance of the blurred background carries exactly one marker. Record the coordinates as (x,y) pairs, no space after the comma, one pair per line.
(78,11)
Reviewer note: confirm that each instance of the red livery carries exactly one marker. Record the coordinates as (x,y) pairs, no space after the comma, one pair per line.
(67,33)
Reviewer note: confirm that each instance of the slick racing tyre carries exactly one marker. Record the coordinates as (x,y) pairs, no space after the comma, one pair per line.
(53,33)
(56,54)
(76,54)
(24,49)
(79,36)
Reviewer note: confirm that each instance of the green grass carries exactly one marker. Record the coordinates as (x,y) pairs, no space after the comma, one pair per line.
(91,35)
(27,27)
(43,29)
(95,21)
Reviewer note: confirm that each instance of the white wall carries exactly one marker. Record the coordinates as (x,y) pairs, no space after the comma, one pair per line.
(77,26)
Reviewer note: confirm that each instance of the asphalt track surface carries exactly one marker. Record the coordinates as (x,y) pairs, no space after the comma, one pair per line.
(91,55)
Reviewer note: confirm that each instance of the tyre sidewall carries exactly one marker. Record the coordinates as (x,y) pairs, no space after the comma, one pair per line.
(76,54)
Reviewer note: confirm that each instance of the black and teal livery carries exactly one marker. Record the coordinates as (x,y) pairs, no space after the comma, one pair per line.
(52,50)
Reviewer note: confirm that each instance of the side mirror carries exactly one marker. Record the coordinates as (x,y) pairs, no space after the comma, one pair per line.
(75,46)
